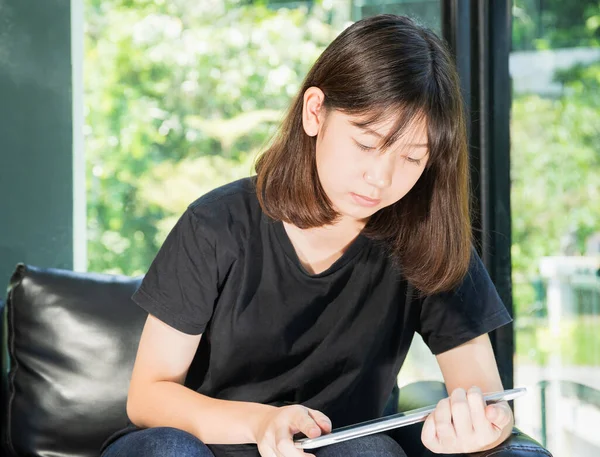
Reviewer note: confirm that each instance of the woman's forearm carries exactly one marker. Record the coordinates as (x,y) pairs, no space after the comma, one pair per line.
(169,404)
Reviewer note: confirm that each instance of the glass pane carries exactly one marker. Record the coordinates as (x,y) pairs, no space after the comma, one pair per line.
(426,12)
(555,71)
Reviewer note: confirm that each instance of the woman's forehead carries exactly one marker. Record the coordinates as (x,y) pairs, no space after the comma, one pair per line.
(382,126)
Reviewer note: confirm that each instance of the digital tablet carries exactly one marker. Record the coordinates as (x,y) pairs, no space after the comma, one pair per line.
(390,422)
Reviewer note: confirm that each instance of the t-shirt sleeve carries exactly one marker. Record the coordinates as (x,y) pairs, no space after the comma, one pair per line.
(181,287)
(473,308)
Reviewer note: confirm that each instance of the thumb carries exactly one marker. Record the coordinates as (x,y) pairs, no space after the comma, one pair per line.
(498,414)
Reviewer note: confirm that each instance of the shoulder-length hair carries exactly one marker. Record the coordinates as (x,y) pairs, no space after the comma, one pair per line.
(384,66)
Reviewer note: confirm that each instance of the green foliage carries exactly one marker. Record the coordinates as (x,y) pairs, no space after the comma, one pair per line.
(555,172)
(555,24)
(180,97)
(576,340)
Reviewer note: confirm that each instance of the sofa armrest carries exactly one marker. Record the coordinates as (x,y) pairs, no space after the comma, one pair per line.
(424,393)
(3,375)
(517,445)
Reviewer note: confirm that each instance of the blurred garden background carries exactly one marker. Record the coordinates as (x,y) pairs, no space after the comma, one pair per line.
(181,96)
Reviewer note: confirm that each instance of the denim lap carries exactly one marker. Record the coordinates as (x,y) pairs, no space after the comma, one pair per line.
(172,442)
(158,442)
(378,445)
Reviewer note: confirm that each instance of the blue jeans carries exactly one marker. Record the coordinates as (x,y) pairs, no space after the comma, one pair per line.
(171,442)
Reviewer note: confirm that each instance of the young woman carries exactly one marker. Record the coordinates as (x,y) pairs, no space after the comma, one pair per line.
(285,303)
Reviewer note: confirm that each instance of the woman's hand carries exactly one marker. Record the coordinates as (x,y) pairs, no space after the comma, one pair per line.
(463,423)
(274,434)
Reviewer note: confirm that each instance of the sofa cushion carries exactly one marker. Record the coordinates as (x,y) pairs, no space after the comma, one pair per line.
(72,340)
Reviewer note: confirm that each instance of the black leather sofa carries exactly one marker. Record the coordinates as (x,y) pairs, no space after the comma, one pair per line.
(70,340)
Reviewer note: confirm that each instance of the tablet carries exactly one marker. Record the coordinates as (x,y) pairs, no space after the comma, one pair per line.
(394,421)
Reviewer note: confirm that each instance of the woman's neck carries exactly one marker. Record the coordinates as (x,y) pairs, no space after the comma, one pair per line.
(320,247)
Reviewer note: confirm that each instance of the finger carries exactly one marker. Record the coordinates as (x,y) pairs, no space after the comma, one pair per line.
(443,423)
(429,435)
(303,422)
(268,447)
(267,451)
(287,448)
(481,424)
(461,414)
(321,419)
(499,415)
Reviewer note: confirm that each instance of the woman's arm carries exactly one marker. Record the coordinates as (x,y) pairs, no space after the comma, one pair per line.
(157,396)
(462,422)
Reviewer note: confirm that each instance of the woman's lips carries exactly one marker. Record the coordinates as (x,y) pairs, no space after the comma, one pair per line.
(365,201)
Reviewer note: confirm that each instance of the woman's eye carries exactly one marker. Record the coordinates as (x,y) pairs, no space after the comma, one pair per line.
(415,161)
(363,147)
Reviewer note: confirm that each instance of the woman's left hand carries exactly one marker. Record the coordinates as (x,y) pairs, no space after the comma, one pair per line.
(463,423)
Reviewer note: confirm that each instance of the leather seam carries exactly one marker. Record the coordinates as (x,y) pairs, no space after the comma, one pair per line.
(536,449)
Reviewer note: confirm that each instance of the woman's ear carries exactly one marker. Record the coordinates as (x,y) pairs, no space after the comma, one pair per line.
(313,110)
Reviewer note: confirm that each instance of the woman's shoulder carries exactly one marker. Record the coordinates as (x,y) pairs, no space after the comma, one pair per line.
(236,192)
(232,205)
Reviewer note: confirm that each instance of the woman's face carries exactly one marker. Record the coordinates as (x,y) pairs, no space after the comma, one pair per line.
(357,176)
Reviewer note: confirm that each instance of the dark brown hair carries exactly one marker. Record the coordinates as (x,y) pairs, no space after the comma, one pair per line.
(378,67)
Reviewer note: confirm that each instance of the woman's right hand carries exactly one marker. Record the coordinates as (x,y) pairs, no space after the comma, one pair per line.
(275,432)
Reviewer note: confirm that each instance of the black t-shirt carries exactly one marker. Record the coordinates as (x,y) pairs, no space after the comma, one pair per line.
(275,334)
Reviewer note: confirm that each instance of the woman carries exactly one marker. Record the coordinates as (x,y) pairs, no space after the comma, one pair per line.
(285,303)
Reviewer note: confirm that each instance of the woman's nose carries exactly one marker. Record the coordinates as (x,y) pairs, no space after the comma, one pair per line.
(381,172)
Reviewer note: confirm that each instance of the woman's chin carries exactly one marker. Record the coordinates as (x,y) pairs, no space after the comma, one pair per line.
(357,213)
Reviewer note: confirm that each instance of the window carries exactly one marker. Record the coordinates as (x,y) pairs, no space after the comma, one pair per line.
(555,171)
